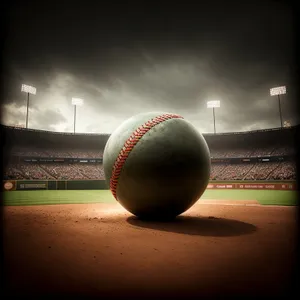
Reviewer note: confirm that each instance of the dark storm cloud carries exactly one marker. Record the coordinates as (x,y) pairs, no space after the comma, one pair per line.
(124,61)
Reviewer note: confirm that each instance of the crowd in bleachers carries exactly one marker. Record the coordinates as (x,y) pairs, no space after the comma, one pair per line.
(262,171)
(224,171)
(219,171)
(283,151)
(256,152)
(230,171)
(229,153)
(257,171)
(13,171)
(61,153)
(28,143)
(262,151)
(286,172)
(215,153)
(54,171)
(34,171)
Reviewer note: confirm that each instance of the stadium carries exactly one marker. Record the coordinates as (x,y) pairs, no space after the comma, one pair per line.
(54,187)
(260,162)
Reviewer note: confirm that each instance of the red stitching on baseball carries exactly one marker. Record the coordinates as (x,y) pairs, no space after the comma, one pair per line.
(129,145)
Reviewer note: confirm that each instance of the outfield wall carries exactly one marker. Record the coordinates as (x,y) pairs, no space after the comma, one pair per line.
(29,185)
(253,186)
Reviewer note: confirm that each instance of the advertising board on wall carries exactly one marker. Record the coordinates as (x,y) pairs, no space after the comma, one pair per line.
(253,186)
(9,185)
(22,185)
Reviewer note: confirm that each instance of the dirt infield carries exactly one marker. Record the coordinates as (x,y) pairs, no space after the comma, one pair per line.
(100,249)
(229,202)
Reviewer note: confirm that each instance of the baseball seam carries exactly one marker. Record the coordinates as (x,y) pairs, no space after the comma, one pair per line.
(130,144)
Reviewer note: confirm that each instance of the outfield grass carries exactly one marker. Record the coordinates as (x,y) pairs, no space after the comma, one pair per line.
(48,197)
(266,197)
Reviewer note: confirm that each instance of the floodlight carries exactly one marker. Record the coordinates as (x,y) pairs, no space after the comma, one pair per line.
(280,90)
(77,101)
(212,104)
(28,89)
(277,91)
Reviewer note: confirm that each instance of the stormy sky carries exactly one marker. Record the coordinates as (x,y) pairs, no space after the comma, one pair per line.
(132,58)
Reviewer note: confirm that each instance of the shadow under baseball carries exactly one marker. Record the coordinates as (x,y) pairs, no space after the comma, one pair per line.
(204,226)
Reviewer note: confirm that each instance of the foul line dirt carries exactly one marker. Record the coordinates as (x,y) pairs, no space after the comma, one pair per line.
(230,202)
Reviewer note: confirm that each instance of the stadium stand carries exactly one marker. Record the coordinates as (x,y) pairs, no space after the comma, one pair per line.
(255,155)
(286,171)
(57,153)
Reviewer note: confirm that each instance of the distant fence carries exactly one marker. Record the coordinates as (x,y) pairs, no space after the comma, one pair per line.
(33,185)
(253,186)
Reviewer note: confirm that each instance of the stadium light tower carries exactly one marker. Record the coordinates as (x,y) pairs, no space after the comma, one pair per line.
(29,90)
(75,102)
(213,104)
(277,91)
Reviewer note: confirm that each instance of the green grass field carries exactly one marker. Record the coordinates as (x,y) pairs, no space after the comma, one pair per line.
(48,197)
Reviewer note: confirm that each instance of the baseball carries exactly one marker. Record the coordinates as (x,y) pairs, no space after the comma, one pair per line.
(157,165)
